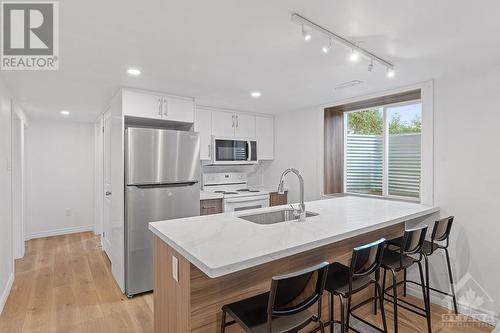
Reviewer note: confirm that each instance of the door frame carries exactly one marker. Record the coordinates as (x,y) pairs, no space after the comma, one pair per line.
(98,175)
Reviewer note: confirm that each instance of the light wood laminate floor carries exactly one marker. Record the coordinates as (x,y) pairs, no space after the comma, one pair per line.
(64,284)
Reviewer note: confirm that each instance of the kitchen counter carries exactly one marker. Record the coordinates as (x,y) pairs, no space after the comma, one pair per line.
(207,195)
(222,244)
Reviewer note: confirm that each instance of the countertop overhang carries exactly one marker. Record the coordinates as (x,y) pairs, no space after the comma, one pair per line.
(223,243)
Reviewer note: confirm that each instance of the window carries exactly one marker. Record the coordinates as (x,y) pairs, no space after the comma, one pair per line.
(382,150)
(374,147)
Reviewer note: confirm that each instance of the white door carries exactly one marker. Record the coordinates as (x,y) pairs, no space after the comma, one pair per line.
(245,126)
(139,104)
(177,109)
(264,130)
(203,125)
(106,234)
(223,124)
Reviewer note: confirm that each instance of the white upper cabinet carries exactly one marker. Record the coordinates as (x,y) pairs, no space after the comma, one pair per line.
(233,125)
(264,127)
(223,124)
(203,125)
(177,109)
(157,106)
(244,126)
(138,104)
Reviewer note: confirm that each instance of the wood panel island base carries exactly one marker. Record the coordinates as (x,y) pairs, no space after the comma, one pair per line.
(191,285)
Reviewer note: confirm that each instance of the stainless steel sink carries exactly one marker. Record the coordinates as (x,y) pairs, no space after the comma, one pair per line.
(274,217)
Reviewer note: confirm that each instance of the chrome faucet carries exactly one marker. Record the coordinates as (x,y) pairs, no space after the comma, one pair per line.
(301,212)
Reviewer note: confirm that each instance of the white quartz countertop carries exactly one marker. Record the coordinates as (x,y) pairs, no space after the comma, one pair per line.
(223,243)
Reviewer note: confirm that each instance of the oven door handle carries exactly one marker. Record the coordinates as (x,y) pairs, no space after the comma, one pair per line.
(247,199)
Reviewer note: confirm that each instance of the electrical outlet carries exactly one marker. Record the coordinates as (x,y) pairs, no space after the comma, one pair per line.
(175,268)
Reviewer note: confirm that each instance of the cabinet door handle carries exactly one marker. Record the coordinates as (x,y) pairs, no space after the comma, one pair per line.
(165,104)
(209,150)
(108,193)
(159,106)
(209,207)
(237,121)
(233,120)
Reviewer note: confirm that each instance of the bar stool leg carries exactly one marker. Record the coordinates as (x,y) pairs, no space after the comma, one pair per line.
(223,322)
(348,314)
(332,312)
(404,283)
(342,317)
(427,277)
(426,298)
(395,296)
(375,290)
(382,310)
(451,281)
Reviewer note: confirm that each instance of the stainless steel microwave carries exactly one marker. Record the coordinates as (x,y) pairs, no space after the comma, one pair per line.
(233,151)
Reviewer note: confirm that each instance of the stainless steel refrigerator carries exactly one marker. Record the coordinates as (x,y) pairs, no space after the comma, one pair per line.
(162,182)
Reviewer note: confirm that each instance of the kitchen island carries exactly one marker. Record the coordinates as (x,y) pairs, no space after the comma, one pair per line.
(202,263)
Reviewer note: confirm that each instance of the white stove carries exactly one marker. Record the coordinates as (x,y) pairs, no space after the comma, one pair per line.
(237,196)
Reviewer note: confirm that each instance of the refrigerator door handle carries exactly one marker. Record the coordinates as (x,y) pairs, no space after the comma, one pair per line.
(172,184)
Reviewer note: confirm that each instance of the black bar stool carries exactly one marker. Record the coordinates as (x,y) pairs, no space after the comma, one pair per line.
(440,234)
(400,260)
(285,307)
(345,281)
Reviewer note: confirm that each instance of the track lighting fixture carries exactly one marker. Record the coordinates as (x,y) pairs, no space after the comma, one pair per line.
(356,50)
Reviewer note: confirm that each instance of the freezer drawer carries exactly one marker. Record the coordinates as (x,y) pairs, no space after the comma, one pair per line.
(149,204)
(157,156)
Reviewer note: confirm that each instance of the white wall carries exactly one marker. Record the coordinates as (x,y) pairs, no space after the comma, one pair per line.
(60,177)
(467,178)
(6,255)
(466,173)
(298,144)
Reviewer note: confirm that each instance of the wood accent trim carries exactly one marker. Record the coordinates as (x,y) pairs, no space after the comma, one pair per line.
(377,101)
(210,206)
(334,152)
(171,299)
(276,199)
(208,295)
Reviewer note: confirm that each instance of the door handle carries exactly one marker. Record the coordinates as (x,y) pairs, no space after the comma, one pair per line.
(237,121)
(159,106)
(165,104)
(233,120)
(249,151)
(108,193)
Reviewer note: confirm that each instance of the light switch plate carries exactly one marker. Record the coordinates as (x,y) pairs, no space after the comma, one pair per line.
(175,268)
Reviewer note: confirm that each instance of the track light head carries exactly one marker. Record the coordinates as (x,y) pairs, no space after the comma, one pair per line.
(327,48)
(390,72)
(306,34)
(354,56)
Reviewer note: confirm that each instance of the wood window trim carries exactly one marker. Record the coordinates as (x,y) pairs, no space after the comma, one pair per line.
(333,180)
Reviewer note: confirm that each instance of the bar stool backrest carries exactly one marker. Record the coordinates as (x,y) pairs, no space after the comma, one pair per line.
(296,292)
(366,259)
(442,228)
(413,240)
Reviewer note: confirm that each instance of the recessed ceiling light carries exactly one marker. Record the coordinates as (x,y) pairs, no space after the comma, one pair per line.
(327,48)
(256,94)
(65,112)
(390,72)
(134,71)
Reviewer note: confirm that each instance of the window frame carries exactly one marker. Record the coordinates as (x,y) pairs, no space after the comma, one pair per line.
(385,153)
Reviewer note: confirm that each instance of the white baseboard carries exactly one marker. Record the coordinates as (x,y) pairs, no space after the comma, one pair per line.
(416,291)
(6,292)
(62,231)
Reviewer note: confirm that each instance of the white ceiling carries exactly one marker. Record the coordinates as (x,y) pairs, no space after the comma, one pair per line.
(220,50)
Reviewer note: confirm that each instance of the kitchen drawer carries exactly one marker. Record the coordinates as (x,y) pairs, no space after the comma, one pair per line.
(276,199)
(210,206)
